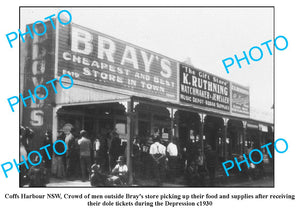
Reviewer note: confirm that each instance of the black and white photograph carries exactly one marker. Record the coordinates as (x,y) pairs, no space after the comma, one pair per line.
(149,106)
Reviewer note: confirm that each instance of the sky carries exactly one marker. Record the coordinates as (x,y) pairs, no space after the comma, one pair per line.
(206,35)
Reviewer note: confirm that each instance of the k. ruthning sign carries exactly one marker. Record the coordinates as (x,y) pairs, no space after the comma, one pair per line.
(203,89)
(93,57)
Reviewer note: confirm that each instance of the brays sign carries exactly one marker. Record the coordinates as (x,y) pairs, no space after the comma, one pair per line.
(39,69)
(93,57)
(203,89)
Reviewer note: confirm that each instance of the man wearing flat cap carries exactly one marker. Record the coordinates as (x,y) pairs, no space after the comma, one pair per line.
(121,170)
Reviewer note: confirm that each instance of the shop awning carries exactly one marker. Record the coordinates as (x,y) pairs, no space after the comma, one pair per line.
(79,95)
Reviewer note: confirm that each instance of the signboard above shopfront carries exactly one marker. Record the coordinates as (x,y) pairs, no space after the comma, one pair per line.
(92,57)
(96,60)
(240,99)
(203,89)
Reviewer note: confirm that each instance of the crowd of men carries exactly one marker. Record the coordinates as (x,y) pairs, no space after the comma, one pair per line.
(101,159)
(103,153)
(170,161)
(82,155)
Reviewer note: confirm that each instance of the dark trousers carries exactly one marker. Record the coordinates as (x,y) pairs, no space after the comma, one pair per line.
(146,166)
(172,167)
(85,163)
(159,171)
(71,166)
(23,175)
(136,164)
(112,161)
(211,174)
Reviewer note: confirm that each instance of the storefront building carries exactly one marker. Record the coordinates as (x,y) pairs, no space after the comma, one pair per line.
(118,85)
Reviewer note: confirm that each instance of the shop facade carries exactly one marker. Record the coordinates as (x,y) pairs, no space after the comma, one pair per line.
(120,86)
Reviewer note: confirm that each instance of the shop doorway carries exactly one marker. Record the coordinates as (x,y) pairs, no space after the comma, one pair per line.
(95,118)
(235,138)
(153,120)
(213,134)
(252,140)
(188,127)
(105,123)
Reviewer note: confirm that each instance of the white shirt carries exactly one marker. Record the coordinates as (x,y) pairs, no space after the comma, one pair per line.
(97,145)
(121,169)
(68,138)
(172,149)
(23,152)
(157,148)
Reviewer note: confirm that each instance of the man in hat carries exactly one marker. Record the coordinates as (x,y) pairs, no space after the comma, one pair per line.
(114,148)
(71,155)
(58,166)
(146,159)
(85,146)
(121,170)
(158,154)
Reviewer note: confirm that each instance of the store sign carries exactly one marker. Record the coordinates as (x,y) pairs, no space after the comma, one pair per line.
(240,99)
(203,89)
(93,57)
(39,69)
